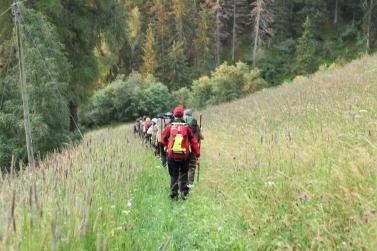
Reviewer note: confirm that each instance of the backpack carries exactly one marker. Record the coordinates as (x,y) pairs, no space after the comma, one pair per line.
(179,146)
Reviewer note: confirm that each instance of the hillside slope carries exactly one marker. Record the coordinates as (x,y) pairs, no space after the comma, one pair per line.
(286,168)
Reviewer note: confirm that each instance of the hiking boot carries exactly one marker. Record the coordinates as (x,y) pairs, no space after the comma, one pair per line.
(174,197)
(184,195)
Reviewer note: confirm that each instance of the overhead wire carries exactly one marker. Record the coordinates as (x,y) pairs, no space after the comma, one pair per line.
(49,73)
(5,11)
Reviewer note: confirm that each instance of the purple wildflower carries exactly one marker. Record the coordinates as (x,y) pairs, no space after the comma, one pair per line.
(303,197)
(366,217)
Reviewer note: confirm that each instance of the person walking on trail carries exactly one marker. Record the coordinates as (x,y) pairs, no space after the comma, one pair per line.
(160,130)
(137,127)
(148,124)
(180,140)
(142,126)
(154,135)
(193,162)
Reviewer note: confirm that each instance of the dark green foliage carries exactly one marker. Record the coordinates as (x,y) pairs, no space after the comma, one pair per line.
(46,83)
(124,100)
(306,61)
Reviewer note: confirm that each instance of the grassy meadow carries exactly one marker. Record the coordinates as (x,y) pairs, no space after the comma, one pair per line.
(290,168)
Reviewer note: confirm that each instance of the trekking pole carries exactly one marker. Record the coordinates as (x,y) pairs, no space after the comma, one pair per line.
(200,127)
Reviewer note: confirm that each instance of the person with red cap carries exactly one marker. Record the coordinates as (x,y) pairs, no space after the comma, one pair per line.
(180,141)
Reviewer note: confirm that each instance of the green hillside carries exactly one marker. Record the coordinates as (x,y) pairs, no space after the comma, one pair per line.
(289,168)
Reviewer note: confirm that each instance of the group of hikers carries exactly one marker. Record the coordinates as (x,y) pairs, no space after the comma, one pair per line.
(175,137)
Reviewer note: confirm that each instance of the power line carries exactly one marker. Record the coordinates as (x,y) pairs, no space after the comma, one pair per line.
(50,74)
(3,13)
(25,98)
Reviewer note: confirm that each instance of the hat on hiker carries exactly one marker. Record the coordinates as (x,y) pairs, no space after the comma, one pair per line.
(188,112)
(178,112)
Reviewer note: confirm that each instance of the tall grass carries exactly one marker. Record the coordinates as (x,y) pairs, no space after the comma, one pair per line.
(291,168)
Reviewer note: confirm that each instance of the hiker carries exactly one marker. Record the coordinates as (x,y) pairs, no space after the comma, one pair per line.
(148,124)
(160,130)
(154,130)
(193,162)
(137,127)
(142,126)
(178,137)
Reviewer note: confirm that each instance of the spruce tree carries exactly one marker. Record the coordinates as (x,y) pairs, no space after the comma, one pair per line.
(47,75)
(306,51)
(203,42)
(149,56)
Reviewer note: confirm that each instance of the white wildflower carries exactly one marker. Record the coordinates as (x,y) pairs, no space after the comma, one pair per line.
(270,183)
(129,203)
(126,212)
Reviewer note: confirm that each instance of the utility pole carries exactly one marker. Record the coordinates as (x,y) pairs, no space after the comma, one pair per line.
(24,94)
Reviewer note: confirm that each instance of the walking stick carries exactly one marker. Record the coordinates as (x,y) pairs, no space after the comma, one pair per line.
(200,127)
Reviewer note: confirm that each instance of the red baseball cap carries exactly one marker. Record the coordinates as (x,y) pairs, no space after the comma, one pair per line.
(178,111)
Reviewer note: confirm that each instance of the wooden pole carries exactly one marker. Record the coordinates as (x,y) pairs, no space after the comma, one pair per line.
(24,94)
(200,126)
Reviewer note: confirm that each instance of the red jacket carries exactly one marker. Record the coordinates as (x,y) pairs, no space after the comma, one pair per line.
(191,137)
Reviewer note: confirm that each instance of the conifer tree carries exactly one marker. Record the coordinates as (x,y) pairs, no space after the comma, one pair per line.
(149,54)
(179,16)
(134,30)
(177,69)
(306,50)
(202,42)
(47,75)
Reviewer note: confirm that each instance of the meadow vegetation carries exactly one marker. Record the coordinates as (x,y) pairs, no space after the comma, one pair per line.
(288,168)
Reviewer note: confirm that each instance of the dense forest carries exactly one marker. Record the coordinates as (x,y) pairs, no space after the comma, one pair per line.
(103,61)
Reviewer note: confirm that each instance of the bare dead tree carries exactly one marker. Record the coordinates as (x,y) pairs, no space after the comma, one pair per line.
(262,20)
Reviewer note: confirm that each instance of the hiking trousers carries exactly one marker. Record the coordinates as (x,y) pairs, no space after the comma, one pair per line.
(193,162)
(162,154)
(178,171)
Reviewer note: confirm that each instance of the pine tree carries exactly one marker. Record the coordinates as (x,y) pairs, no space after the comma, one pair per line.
(179,16)
(306,51)
(134,29)
(47,75)
(149,57)
(177,70)
(203,41)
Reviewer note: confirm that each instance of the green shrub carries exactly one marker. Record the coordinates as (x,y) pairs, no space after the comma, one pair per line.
(226,83)
(124,100)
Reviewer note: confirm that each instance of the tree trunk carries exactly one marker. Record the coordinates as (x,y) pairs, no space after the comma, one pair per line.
(234,30)
(369,24)
(336,12)
(256,33)
(73,116)
(218,25)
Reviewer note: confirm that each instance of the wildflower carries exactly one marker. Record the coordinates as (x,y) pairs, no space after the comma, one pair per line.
(303,197)
(129,203)
(270,183)
(366,217)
